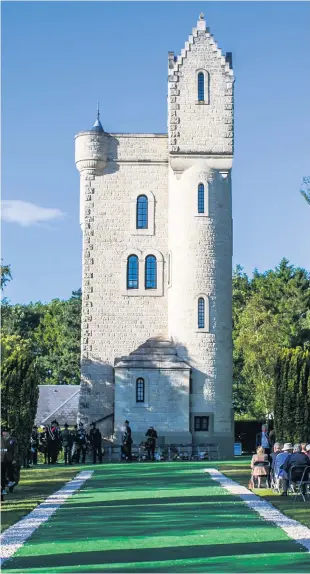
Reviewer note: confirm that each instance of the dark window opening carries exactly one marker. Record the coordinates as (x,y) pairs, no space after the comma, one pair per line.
(142,208)
(132,272)
(140,390)
(201,313)
(201,87)
(150,272)
(201,198)
(201,424)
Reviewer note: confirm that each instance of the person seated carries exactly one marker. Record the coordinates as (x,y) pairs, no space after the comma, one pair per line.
(278,472)
(298,458)
(308,450)
(303,447)
(259,465)
(277,449)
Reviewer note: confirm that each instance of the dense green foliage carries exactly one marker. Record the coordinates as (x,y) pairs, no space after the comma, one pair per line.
(292,402)
(54,332)
(19,387)
(271,311)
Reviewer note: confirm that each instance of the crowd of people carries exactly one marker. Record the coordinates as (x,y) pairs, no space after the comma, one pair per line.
(49,440)
(277,462)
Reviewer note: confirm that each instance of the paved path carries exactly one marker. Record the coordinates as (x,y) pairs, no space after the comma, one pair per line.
(166,517)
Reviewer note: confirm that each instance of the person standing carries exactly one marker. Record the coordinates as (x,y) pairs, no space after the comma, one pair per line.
(81,443)
(262,439)
(67,443)
(74,436)
(151,442)
(10,458)
(43,443)
(53,440)
(95,439)
(34,445)
(127,442)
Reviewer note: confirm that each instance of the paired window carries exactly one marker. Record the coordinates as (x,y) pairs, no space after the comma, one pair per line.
(140,390)
(201,424)
(133,272)
(201,313)
(201,198)
(151,272)
(142,212)
(201,87)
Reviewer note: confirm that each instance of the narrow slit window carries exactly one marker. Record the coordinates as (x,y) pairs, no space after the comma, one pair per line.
(140,390)
(201,198)
(150,272)
(142,212)
(201,313)
(132,272)
(201,87)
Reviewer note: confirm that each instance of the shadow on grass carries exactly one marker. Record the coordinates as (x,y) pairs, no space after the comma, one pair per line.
(120,556)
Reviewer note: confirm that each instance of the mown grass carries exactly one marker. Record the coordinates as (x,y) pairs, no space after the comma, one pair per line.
(239,470)
(35,485)
(166,517)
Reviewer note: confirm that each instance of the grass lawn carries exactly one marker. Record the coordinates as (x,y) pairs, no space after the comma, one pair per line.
(239,470)
(168,517)
(34,486)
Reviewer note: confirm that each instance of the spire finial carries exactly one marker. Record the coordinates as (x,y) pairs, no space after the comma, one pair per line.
(97,127)
(201,16)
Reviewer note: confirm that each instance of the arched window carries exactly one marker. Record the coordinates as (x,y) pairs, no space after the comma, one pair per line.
(150,272)
(132,272)
(140,389)
(201,313)
(142,215)
(201,198)
(201,87)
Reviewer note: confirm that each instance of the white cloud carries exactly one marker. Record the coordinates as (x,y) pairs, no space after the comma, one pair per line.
(26,214)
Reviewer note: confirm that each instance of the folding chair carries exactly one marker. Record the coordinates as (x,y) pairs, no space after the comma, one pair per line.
(299,480)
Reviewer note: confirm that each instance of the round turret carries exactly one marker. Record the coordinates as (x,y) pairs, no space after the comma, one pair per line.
(90,149)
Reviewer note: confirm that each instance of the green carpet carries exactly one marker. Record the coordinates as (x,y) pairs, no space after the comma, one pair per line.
(157,518)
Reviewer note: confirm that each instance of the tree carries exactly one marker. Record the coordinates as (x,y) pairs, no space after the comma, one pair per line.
(5,275)
(305,188)
(19,387)
(292,402)
(275,316)
(57,341)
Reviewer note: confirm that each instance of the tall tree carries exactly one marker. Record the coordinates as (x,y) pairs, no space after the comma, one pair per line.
(19,387)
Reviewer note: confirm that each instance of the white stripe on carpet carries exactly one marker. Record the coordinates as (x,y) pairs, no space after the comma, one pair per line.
(294,529)
(15,536)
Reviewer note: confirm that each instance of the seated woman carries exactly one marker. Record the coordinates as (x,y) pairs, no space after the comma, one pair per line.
(259,465)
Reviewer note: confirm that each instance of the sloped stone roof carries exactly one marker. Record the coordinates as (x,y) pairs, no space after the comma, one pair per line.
(58,401)
(155,353)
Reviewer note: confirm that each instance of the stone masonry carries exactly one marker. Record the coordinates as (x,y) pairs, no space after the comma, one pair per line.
(193,251)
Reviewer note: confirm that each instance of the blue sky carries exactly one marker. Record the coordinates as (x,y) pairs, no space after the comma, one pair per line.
(59,58)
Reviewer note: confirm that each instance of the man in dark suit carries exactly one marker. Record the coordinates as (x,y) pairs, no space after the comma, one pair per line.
(151,442)
(127,442)
(95,439)
(262,439)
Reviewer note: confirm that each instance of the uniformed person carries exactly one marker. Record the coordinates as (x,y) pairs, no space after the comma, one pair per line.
(127,442)
(95,443)
(67,443)
(151,442)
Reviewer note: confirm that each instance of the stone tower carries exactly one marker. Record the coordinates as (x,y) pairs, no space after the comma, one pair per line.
(200,124)
(157,342)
